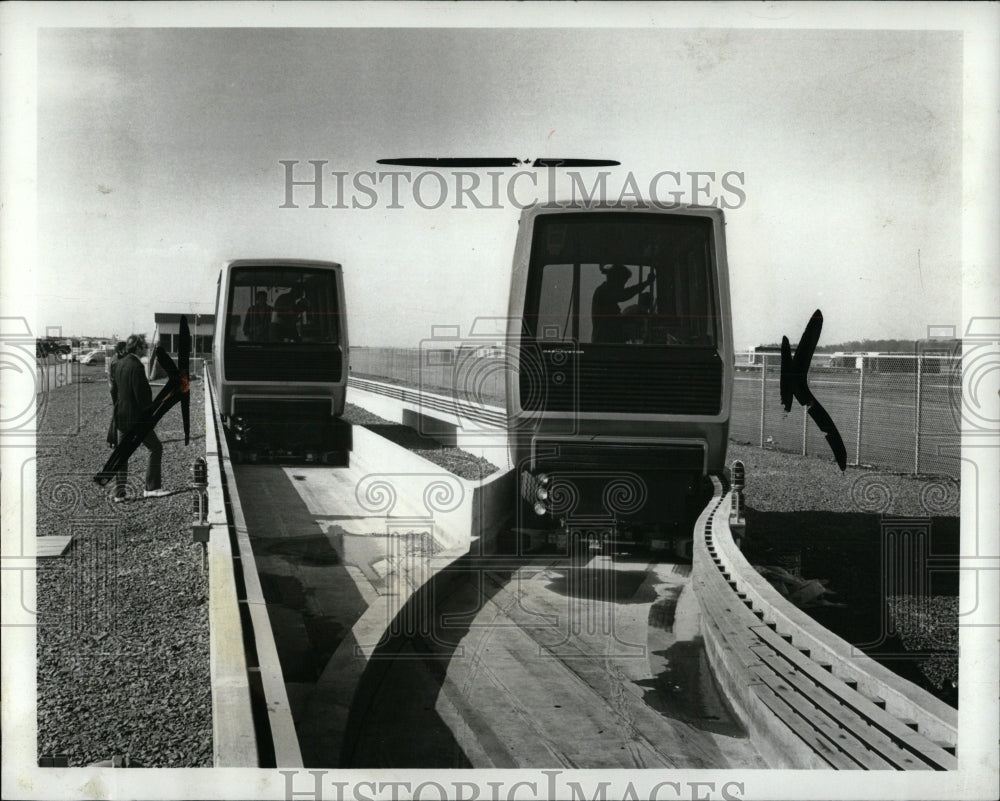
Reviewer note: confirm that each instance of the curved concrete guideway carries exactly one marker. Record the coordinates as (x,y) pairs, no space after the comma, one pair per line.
(810,699)
(505,661)
(549,662)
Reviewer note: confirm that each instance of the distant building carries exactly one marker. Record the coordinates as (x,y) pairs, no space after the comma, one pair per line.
(927,360)
(168,328)
(758,353)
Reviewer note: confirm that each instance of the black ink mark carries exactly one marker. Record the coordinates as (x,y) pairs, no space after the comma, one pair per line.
(176,390)
(471,163)
(575,163)
(793,383)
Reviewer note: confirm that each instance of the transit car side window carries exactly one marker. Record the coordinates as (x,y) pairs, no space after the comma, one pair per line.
(556,308)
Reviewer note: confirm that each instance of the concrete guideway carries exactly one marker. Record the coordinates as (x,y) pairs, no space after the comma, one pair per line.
(554,661)
(397,608)
(334,576)
(505,662)
(912,728)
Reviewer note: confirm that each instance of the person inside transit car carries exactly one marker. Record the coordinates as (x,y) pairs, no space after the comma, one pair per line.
(132,397)
(605,311)
(635,319)
(257,322)
(288,311)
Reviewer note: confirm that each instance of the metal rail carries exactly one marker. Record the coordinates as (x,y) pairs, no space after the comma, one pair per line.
(479,412)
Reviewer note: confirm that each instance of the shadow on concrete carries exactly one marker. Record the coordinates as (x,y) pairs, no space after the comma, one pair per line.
(684,690)
(661,613)
(603,584)
(603,580)
(393,720)
(308,550)
(312,600)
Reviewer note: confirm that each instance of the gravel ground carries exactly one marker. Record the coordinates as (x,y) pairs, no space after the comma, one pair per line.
(123,645)
(804,514)
(454,460)
(786,482)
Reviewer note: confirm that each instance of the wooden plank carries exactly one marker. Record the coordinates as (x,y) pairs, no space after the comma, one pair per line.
(935,756)
(741,634)
(733,627)
(52,546)
(863,743)
(805,732)
(801,706)
(732,643)
(727,598)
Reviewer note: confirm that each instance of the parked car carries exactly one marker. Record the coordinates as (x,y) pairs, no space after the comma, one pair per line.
(93,357)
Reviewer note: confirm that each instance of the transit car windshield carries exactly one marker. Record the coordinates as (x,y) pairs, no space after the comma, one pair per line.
(622,279)
(270,305)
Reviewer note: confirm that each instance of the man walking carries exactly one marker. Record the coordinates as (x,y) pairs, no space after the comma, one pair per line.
(133,398)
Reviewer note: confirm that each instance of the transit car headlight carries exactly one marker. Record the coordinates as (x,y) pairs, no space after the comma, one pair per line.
(542,494)
(543,479)
(540,508)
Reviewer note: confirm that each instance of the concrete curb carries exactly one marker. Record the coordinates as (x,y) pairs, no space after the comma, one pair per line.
(279,717)
(475,437)
(234,743)
(935,720)
(904,699)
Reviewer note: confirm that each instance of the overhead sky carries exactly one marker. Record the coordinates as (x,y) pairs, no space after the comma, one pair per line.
(160,150)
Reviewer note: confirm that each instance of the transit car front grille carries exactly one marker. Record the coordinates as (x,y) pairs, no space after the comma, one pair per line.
(687,386)
(290,410)
(284,363)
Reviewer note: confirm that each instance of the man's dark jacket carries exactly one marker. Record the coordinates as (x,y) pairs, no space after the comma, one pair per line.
(130,392)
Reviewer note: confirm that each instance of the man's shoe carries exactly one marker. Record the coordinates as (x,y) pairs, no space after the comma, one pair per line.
(157,493)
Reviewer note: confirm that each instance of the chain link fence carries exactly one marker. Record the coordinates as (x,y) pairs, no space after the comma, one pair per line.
(898,412)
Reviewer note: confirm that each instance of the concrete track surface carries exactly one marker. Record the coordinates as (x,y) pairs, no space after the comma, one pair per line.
(541,660)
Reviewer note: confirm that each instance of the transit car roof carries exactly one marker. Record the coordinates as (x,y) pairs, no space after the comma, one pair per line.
(271,262)
(568,206)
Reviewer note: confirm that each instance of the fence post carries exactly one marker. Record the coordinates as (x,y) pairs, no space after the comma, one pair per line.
(763,384)
(805,427)
(916,422)
(861,406)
